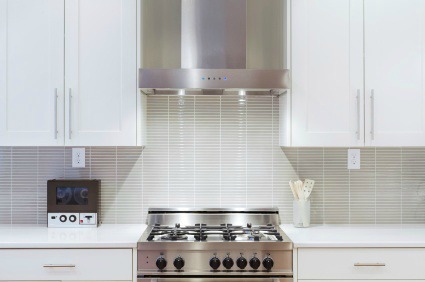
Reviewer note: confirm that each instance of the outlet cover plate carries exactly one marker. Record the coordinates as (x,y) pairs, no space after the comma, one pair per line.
(353,159)
(78,157)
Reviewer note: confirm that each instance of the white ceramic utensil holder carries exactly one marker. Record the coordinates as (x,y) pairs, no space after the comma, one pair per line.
(301,213)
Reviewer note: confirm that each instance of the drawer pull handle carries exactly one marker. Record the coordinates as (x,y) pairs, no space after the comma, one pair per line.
(58,265)
(369,264)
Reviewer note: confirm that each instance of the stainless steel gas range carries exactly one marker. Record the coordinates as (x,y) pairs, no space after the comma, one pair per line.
(206,245)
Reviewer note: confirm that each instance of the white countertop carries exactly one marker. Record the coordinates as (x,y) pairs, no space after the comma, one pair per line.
(396,236)
(105,236)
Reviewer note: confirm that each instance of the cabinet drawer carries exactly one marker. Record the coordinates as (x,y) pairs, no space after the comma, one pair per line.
(361,263)
(66,264)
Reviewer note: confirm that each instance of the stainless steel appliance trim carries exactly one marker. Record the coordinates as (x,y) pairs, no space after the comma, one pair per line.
(216,279)
(213,79)
(213,218)
(69,114)
(214,210)
(59,265)
(372,114)
(56,113)
(233,274)
(358,114)
(369,264)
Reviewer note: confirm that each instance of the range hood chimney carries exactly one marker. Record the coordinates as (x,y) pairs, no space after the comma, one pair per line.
(220,45)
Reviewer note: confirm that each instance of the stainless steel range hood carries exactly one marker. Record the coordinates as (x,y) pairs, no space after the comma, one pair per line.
(213,46)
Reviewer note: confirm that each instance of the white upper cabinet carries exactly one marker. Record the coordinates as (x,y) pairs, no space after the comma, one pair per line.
(68,73)
(31,72)
(394,73)
(327,74)
(327,106)
(101,72)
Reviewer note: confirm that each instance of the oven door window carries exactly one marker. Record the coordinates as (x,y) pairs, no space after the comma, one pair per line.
(72,196)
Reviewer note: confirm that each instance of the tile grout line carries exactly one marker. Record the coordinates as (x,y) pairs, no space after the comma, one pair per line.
(246,152)
(11,185)
(401,185)
(194,151)
(220,99)
(375,184)
(168,151)
(38,184)
(272,151)
(116,184)
(349,195)
(324,181)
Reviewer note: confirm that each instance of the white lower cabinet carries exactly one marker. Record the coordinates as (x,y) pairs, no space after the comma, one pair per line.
(66,265)
(361,264)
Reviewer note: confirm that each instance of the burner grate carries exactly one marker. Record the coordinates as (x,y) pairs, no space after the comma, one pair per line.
(200,232)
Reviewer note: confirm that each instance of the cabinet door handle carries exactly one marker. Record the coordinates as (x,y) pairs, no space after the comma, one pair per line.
(369,264)
(358,114)
(69,113)
(56,113)
(59,265)
(372,114)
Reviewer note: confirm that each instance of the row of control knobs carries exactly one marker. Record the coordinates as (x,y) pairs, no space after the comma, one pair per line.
(228,263)
(241,262)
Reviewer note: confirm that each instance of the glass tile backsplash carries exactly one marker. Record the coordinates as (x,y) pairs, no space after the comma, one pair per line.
(219,151)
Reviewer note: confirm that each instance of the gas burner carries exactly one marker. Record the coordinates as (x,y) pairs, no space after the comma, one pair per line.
(174,237)
(201,237)
(229,237)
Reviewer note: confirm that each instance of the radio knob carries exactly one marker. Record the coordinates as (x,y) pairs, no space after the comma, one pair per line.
(228,262)
(72,218)
(179,263)
(254,263)
(62,218)
(215,263)
(268,263)
(241,262)
(161,263)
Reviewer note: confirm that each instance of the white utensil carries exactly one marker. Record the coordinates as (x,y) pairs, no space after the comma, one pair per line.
(291,184)
(299,189)
(307,188)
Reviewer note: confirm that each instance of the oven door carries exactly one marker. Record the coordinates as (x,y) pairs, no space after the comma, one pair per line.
(216,279)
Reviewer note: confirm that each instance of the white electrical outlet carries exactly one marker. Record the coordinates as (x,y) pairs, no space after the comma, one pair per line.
(353,159)
(78,157)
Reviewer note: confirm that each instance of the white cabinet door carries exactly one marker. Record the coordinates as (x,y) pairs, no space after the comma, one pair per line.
(101,72)
(31,72)
(394,72)
(327,73)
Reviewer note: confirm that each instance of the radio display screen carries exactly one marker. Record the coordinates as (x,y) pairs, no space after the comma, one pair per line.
(72,196)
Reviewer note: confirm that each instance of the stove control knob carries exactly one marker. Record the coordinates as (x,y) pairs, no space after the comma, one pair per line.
(179,263)
(268,263)
(241,262)
(215,263)
(161,263)
(254,263)
(228,262)
(62,218)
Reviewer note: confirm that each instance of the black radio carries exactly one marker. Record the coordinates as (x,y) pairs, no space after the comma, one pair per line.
(73,203)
